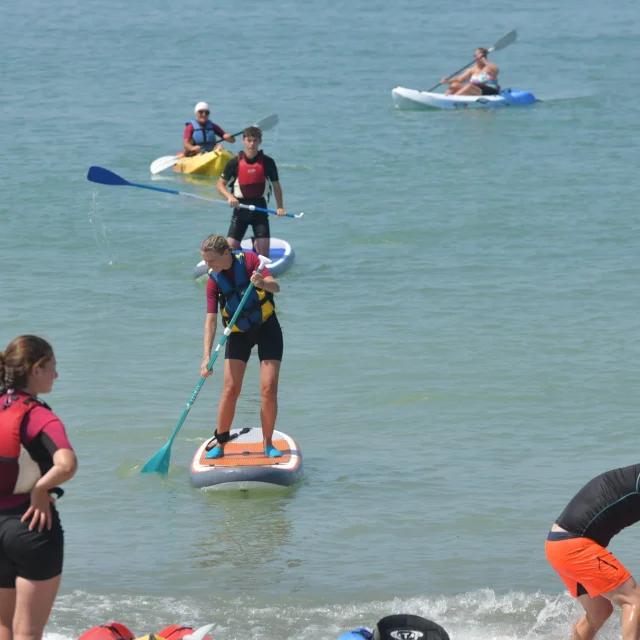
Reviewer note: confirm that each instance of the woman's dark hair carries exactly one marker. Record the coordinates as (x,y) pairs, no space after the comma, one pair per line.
(21,355)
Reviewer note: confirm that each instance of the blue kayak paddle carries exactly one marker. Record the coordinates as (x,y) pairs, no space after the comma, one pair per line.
(159,462)
(104,176)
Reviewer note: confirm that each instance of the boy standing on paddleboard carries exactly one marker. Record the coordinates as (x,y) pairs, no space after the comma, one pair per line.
(247,179)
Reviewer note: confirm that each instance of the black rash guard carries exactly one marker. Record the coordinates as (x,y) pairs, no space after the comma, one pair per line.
(604,506)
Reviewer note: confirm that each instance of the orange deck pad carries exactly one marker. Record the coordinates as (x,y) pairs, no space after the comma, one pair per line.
(247,454)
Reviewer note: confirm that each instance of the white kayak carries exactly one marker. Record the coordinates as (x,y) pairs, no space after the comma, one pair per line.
(280,252)
(412,99)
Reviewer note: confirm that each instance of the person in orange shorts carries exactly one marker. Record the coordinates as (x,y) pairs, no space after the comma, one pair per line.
(576,548)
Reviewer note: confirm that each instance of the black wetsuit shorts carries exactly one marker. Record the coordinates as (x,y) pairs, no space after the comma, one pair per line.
(28,554)
(268,337)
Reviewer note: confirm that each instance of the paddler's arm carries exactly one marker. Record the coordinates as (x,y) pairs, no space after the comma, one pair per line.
(64,468)
(277,192)
(191,148)
(221,133)
(65,465)
(463,77)
(210,324)
(186,140)
(221,186)
(268,284)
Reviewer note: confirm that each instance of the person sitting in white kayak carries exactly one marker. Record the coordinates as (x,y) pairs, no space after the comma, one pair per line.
(200,134)
(481,79)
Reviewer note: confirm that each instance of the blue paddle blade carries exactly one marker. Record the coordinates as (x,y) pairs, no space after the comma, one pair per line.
(104,176)
(159,462)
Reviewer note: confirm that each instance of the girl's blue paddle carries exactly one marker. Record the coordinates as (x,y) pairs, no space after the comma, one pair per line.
(104,176)
(159,462)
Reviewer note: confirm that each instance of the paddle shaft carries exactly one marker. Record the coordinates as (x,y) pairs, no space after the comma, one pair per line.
(453,75)
(227,332)
(215,142)
(264,125)
(252,207)
(193,195)
(233,135)
(503,42)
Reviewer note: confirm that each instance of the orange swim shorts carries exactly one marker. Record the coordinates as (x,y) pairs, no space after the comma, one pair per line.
(585,566)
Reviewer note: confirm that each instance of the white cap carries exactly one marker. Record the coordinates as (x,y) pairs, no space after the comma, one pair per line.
(201,106)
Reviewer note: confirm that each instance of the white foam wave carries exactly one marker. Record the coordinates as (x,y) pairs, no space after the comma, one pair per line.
(477,615)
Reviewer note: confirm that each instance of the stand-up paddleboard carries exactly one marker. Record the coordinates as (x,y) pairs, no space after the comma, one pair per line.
(280,253)
(404,98)
(244,465)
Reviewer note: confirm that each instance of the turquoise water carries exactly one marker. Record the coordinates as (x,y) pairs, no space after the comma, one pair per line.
(460,322)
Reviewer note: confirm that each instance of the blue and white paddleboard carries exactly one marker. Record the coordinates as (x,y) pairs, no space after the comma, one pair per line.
(280,252)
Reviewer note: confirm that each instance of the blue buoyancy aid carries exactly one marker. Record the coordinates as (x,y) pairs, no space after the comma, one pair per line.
(205,136)
(258,307)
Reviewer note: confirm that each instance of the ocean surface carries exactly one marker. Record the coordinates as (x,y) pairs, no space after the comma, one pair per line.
(460,322)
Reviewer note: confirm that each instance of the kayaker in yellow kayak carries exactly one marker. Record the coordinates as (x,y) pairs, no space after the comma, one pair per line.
(481,79)
(247,179)
(200,134)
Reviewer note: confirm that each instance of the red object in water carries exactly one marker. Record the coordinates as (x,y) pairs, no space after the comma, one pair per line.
(111,631)
(176,632)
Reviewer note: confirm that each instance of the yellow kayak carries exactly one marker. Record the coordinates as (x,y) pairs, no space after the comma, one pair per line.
(211,163)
